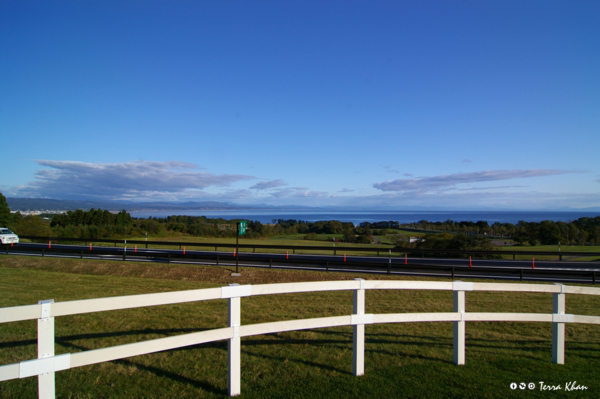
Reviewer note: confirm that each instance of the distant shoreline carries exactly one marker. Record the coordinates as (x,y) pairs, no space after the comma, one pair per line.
(357,217)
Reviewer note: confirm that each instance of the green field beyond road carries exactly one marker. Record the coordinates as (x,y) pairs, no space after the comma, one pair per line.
(326,241)
(401,360)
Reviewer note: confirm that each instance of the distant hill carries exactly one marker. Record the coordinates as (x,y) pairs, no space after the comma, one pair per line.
(37,204)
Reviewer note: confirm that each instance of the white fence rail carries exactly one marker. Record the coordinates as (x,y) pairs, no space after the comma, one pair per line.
(45,311)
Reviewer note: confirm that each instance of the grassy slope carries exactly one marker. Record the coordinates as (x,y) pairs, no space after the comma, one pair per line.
(409,360)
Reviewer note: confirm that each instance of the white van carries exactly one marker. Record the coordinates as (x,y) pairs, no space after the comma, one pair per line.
(7,236)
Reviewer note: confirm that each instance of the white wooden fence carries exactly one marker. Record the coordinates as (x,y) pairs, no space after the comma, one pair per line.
(48,363)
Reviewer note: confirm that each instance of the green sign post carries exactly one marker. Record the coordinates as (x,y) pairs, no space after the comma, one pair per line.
(241,230)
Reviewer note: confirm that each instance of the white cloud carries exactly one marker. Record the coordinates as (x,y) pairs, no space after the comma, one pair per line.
(298,192)
(179,181)
(447,182)
(135,180)
(264,185)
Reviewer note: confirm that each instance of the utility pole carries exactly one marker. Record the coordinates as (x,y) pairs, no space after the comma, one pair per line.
(240,230)
(237,242)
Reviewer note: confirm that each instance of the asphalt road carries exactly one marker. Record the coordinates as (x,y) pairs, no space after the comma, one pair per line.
(556,271)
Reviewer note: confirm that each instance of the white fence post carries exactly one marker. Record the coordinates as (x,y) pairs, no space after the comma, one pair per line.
(358,333)
(459,288)
(45,324)
(558,329)
(234,346)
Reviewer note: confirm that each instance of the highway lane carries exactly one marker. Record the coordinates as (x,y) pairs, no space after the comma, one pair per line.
(380,261)
(566,271)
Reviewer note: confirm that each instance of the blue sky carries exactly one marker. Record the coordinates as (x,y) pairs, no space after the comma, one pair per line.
(460,105)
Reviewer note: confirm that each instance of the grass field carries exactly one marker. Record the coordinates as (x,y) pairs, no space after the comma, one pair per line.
(553,248)
(401,360)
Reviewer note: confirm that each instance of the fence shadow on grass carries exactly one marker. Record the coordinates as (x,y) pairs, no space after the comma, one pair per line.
(159,372)
(301,361)
(526,348)
(147,331)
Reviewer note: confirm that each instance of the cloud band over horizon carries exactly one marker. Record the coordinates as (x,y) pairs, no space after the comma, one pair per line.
(448,182)
(180,181)
(127,180)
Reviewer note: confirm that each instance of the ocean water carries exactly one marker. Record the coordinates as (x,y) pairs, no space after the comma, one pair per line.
(267,216)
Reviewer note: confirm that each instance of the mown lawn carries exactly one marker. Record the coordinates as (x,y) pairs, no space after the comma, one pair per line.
(554,248)
(402,360)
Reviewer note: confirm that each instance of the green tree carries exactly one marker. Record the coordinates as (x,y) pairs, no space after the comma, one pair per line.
(549,233)
(4,211)
(33,226)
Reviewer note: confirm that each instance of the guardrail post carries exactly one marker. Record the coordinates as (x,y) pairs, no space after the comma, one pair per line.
(358,333)
(234,375)
(46,349)
(459,288)
(558,329)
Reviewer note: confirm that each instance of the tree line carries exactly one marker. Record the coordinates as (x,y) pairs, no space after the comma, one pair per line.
(585,230)
(98,223)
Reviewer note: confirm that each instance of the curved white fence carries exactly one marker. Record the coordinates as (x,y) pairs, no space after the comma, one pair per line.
(45,311)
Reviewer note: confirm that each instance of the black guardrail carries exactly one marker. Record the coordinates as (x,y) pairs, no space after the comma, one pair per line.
(281,260)
(293,248)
